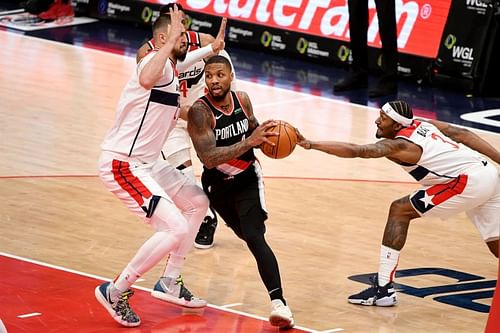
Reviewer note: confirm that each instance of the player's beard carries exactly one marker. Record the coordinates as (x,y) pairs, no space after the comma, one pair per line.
(221,96)
(180,54)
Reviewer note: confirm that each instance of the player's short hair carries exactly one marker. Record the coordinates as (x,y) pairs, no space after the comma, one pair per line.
(402,108)
(218,59)
(161,22)
(165,9)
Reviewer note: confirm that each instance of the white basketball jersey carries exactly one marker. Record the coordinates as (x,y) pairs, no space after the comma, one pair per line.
(442,158)
(144,118)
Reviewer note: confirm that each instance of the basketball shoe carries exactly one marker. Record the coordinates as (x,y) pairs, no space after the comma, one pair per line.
(375,295)
(117,306)
(205,237)
(173,291)
(281,315)
(60,10)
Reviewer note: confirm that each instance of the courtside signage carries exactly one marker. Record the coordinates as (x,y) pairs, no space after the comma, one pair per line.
(420,22)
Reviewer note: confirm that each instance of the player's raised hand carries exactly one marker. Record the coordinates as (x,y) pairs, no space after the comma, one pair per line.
(219,44)
(176,26)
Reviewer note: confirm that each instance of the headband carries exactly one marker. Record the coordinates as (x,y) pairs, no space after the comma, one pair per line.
(391,113)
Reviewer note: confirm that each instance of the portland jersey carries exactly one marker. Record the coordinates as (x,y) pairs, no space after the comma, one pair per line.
(144,117)
(442,158)
(230,128)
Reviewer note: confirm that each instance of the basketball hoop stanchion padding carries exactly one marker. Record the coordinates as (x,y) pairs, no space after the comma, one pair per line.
(493,324)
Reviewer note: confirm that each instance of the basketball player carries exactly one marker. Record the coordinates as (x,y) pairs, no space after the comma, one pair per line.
(455,177)
(177,148)
(129,167)
(224,131)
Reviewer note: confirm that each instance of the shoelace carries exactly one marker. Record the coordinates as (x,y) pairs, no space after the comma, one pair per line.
(122,307)
(184,292)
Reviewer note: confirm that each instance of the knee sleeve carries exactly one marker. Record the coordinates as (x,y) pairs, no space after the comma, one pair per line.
(168,218)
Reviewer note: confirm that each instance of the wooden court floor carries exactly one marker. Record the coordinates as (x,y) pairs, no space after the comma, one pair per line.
(326,214)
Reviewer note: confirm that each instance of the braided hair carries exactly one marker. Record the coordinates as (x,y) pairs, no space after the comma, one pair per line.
(402,108)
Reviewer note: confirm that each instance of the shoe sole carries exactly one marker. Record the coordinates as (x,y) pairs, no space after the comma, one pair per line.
(366,302)
(282,323)
(101,299)
(174,300)
(203,246)
(387,301)
(384,302)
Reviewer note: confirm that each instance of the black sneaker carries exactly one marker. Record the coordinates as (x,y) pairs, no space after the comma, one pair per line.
(375,295)
(205,237)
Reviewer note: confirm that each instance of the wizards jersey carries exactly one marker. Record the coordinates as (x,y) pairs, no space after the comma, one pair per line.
(442,158)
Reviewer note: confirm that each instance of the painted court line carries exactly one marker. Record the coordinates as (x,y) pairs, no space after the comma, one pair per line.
(221,308)
(34,314)
(230,305)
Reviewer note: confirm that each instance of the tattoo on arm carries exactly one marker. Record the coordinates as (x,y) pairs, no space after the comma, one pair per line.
(247,105)
(200,129)
(380,149)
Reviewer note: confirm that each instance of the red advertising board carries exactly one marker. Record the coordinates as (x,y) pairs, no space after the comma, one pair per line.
(420,22)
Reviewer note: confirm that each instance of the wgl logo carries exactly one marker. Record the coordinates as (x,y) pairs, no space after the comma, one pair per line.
(463,293)
(458,52)
(463,52)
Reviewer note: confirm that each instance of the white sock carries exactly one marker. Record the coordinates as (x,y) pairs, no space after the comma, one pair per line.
(389,259)
(174,266)
(126,279)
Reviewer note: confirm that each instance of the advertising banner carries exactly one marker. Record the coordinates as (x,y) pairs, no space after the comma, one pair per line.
(462,44)
(420,22)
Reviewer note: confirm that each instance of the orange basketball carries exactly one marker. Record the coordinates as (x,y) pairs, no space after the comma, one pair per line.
(284,143)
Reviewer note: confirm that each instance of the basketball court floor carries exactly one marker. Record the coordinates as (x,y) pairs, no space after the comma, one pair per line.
(62,233)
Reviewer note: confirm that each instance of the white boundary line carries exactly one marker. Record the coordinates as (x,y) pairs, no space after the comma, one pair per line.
(221,308)
(28,315)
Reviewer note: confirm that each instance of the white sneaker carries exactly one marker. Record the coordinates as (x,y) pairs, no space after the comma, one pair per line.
(173,291)
(281,315)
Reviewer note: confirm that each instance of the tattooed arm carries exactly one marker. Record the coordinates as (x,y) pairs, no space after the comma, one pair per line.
(200,120)
(382,148)
(399,150)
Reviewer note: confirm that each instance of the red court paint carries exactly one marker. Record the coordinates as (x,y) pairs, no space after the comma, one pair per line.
(65,302)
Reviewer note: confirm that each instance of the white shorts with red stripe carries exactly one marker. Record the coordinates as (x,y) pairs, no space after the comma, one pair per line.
(477,193)
(136,183)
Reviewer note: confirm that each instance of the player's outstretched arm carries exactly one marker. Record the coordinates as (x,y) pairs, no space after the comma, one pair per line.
(382,148)
(468,138)
(206,51)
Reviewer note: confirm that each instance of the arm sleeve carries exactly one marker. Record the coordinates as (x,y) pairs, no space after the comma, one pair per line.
(194,56)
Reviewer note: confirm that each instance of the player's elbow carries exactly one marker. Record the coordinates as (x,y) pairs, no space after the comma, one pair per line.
(208,163)
(146,82)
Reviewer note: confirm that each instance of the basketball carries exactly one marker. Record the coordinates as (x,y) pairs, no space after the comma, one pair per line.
(284,143)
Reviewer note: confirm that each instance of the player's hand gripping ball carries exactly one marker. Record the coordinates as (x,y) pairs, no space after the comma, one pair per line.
(284,143)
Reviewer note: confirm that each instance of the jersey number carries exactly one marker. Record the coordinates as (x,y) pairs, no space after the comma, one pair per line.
(183,88)
(436,136)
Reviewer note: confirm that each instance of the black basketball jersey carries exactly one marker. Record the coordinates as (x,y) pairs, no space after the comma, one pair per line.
(230,128)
